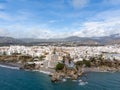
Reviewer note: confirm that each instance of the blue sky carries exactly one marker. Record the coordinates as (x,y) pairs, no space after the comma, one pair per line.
(59,18)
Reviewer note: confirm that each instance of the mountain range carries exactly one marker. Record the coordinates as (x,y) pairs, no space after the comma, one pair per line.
(105,40)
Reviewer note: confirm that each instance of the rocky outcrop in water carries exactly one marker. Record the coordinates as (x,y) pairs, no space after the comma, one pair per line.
(73,74)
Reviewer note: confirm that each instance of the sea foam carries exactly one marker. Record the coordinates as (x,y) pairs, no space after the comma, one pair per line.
(10,67)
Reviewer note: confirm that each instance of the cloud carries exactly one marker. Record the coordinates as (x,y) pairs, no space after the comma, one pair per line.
(97,29)
(79,3)
(102,24)
(26,31)
(40,33)
(111,2)
(36,31)
(4,32)
(109,14)
(87,29)
(52,21)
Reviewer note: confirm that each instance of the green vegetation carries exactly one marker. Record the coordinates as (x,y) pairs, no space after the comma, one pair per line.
(98,61)
(16,53)
(87,63)
(79,63)
(59,66)
(25,58)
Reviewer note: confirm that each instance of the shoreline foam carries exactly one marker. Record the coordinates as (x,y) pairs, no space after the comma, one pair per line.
(10,67)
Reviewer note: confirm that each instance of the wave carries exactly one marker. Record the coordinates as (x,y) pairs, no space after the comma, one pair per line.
(44,72)
(82,83)
(10,67)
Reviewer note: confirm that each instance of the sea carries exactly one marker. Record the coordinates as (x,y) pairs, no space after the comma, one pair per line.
(14,79)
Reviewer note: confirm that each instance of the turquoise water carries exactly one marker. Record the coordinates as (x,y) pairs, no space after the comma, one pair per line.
(26,80)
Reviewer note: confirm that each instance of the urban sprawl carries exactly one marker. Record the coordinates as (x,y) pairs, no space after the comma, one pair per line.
(53,59)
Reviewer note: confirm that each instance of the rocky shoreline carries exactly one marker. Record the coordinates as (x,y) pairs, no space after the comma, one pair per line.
(66,68)
(59,76)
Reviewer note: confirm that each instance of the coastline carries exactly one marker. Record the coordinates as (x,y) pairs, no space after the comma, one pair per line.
(10,67)
(17,67)
(50,73)
(44,72)
(101,70)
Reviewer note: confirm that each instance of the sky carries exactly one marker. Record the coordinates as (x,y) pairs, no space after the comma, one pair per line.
(59,18)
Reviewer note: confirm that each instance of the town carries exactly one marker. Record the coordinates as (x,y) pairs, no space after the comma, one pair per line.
(52,59)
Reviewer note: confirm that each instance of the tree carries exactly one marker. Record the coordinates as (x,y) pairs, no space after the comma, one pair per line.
(79,63)
(92,59)
(87,63)
(59,66)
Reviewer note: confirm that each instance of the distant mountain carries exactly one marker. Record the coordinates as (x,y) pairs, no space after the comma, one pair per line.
(72,38)
(115,35)
(30,40)
(9,40)
(81,40)
(112,39)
